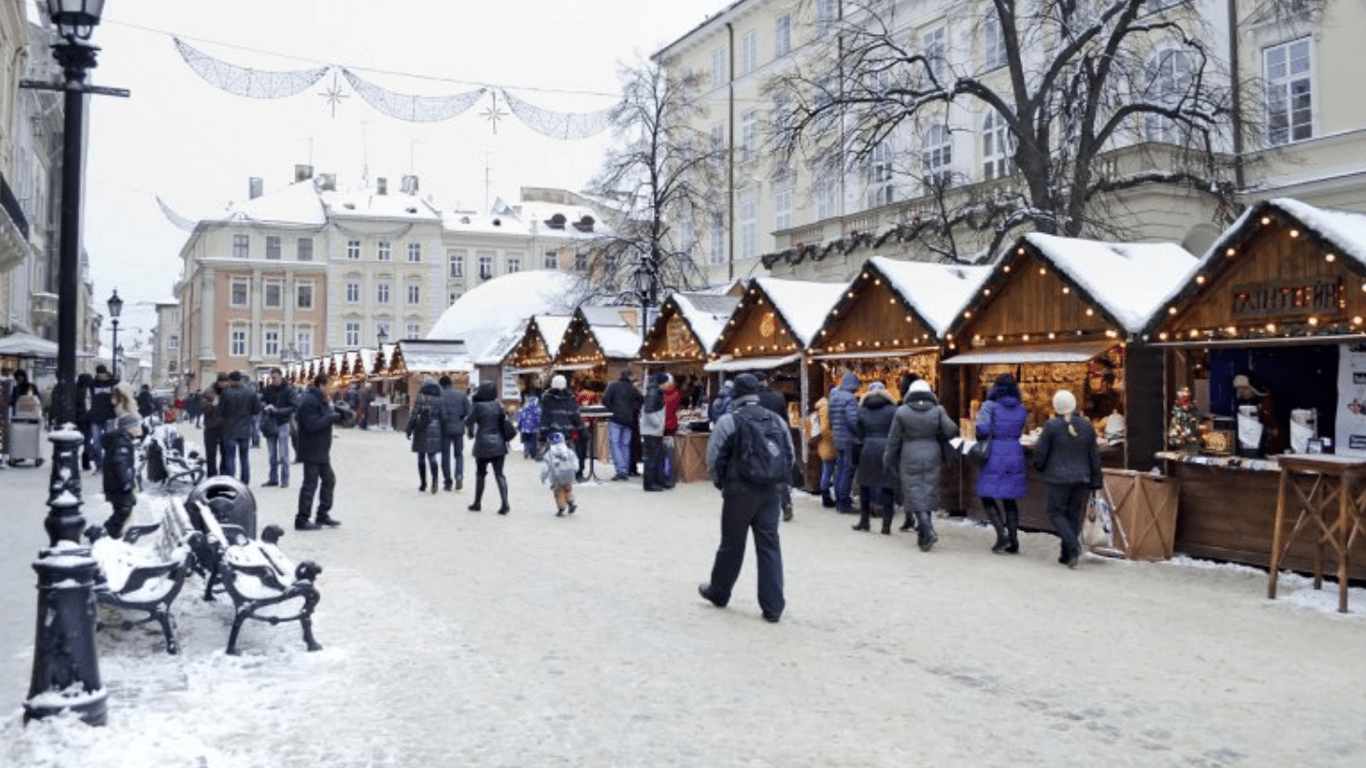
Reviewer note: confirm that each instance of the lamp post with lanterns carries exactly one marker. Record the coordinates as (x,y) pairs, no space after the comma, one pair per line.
(115,309)
(381,336)
(66,670)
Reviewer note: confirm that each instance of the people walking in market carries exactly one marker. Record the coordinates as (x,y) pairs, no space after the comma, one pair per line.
(485,426)
(529,424)
(915,453)
(774,401)
(673,399)
(280,402)
(560,413)
(721,405)
(871,428)
(455,406)
(316,417)
(623,400)
(1001,419)
(120,471)
(558,467)
(652,433)
(426,424)
(101,410)
(1069,459)
(748,501)
(147,404)
(82,418)
(843,406)
(825,451)
(239,408)
(213,423)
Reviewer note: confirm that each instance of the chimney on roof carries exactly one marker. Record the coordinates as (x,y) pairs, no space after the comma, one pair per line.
(381,186)
(255,186)
(327,182)
(303,172)
(409,184)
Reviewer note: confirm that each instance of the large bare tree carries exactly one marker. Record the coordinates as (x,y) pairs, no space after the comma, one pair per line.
(658,174)
(1058,84)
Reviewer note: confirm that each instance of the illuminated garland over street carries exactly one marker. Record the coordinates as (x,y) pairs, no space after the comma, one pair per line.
(263,84)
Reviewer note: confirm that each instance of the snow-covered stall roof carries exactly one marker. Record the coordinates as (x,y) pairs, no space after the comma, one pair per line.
(492,308)
(501,347)
(936,292)
(435,356)
(552,328)
(1127,280)
(1346,230)
(615,335)
(802,304)
(706,314)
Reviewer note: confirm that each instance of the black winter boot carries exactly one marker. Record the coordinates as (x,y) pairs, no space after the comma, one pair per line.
(304,524)
(910,521)
(994,517)
(863,515)
(887,514)
(478,492)
(827,500)
(503,494)
(1012,531)
(927,536)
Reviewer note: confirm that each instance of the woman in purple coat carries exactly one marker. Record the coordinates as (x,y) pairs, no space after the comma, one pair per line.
(1002,418)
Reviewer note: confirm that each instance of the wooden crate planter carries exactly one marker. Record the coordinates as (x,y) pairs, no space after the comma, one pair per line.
(1144,507)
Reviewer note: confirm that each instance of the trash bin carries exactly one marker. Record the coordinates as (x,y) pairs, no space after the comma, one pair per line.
(1144,511)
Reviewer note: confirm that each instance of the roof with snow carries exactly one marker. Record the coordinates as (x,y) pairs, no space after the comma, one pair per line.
(802,304)
(298,203)
(936,293)
(704,314)
(497,306)
(501,347)
(426,356)
(609,328)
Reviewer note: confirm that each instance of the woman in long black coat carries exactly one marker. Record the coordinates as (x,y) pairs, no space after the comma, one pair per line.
(426,423)
(485,427)
(873,422)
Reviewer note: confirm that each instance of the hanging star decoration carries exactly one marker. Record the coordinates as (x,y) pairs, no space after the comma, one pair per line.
(494,113)
(334,94)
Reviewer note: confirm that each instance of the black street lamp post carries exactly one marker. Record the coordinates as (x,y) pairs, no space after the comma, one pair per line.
(115,309)
(381,336)
(647,288)
(66,669)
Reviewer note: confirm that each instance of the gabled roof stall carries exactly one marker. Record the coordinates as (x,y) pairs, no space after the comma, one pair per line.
(598,344)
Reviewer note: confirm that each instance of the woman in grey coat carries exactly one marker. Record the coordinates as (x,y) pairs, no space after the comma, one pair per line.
(915,452)
(425,425)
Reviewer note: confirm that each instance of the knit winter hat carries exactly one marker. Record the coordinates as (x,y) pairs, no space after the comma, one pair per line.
(1064,402)
(746,384)
(128,420)
(554,438)
(920,385)
(877,386)
(557,381)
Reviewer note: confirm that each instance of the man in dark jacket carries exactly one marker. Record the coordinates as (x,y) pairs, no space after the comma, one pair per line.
(280,403)
(745,507)
(147,403)
(101,411)
(560,413)
(843,413)
(239,409)
(121,472)
(456,407)
(1069,459)
(652,433)
(213,423)
(624,401)
(775,402)
(316,416)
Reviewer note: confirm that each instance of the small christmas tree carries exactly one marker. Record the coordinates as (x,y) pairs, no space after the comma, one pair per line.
(1182,427)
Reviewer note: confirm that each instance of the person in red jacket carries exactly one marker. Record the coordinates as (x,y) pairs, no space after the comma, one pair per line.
(673,397)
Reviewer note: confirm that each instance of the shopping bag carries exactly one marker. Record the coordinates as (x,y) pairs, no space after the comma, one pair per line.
(1097,529)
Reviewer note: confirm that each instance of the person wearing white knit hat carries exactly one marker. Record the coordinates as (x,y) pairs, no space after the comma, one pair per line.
(915,454)
(1069,459)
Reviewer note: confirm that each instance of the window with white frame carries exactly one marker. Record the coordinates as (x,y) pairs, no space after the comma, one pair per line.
(352,334)
(173,341)
(274,294)
(749,52)
(273,247)
(718,137)
(237,342)
(717,254)
(825,15)
(718,67)
(303,296)
(353,250)
(384,250)
(414,293)
(936,156)
(414,329)
(414,252)
(881,189)
(826,114)
(749,135)
(782,203)
(782,35)
(305,252)
(932,46)
(552,260)
(485,264)
(239,291)
(749,225)
(782,114)
(514,262)
(827,198)
(580,262)
(687,237)
(1169,76)
(456,257)
(303,342)
(382,291)
(353,290)
(270,342)
(1289,72)
(241,246)
(998,147)
(993,39)
(388,334)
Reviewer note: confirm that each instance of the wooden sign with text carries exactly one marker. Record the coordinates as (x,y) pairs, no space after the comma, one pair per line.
(1319,295)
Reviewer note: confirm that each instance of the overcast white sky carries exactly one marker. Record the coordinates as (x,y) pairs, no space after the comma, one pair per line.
(195,146)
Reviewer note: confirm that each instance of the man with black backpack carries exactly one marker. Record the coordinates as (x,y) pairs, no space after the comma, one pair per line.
(749,456)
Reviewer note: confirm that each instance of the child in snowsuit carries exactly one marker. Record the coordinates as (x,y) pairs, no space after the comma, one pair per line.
(120,472)
(558,466)
(528,424)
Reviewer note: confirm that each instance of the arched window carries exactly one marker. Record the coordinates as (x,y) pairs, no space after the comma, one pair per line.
(1169,75)
(998,147)
(936,156)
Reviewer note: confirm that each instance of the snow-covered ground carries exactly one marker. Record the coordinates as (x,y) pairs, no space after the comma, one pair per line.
(453,638)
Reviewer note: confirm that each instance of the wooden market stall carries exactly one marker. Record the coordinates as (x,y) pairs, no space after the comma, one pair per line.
(1063,313)
(1280,297)
(432,358)
(598,344)
(528,367)
(683,335)
(770,331)
(889,322)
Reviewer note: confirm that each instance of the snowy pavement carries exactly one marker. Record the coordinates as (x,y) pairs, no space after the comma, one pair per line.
(454,638)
